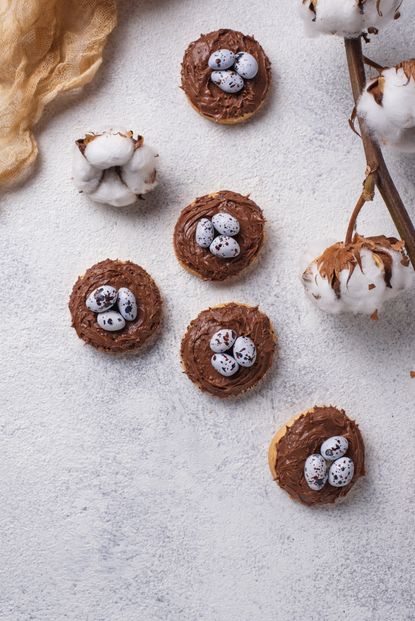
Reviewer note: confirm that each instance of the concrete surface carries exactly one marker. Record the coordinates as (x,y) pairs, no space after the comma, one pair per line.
(125,494)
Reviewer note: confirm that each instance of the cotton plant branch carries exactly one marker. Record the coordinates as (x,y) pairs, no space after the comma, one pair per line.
(360,274)
(367,194)
(373,152)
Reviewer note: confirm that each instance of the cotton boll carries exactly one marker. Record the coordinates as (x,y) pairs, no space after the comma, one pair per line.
(388,107)
(375,116)
(347,18)
(332,17)
(140,172)
(364,291)
(112,191)
(109,149)
(113,167)
(320,292)
(399,97)
(403,278)
(86,177)
(358,277)
(367,289)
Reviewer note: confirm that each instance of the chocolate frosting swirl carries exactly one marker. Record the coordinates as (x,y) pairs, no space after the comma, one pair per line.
(305,437)
(206,96)
(201,260)
(117,274)
(196,353)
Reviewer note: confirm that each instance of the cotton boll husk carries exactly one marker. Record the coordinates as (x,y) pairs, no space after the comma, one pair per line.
(86,177)
(314,249)
(344,17)
(109,149)
(365,287)
(139,172)
(112,191)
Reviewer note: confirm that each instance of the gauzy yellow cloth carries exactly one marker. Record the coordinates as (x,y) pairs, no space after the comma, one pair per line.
(46,47)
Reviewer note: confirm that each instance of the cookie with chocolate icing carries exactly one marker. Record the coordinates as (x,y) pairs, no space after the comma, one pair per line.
(198,259)
(303,437)
(206,96)
(200,360)
(122,277)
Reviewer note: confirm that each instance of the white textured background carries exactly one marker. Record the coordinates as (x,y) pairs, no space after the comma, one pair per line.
(125,494)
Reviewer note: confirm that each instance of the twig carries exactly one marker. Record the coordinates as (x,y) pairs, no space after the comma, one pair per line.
(367,195)
(374,157)
(371,63)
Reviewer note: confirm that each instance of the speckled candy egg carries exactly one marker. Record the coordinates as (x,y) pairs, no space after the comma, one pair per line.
(224,364)
(334,447)
(226,224)
(225,247)
(222,340)
(127,304)
(205,233)
(244,351)
(315,472)
(341,472)
(101,299)
(228,81)
(111,321)
(221,59)
(246,65)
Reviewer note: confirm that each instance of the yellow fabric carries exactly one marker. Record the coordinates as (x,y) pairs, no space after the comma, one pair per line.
(47,47)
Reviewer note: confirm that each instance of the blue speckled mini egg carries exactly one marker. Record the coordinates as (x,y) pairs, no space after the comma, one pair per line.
(111,321)
(334,448)
(224,364)
(225,247)
(341,472)
(228,81)
(315,472)
(221,59)
(205,233)
(222,340)
(101,299)
(127,304)
(226,224)
(244,351)
(246,65)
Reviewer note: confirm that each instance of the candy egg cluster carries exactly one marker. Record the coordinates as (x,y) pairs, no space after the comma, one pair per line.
(229,70)
(330,465)
(218,234)
(242,347)
(113,307)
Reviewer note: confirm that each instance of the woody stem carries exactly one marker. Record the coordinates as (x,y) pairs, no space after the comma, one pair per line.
(371,63)
(374,156)
(353,218)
